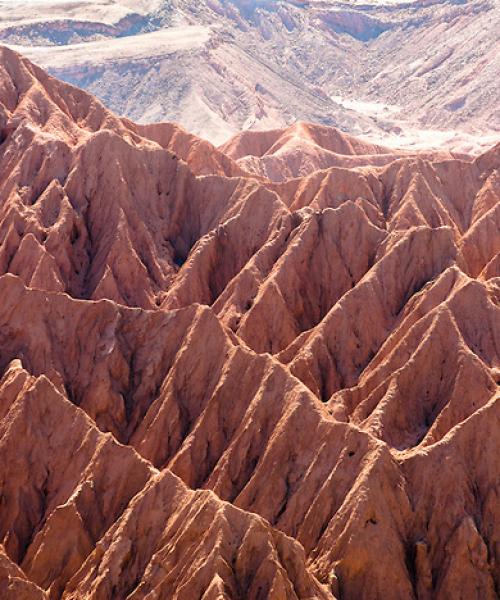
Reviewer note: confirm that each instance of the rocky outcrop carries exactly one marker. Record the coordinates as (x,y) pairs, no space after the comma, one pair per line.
(62,503)
(302,149)
(202,157)
(59,492)
(218,386)
(174,542)
(13,582)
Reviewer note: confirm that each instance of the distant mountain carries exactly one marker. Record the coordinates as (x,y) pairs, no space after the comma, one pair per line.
(412,74)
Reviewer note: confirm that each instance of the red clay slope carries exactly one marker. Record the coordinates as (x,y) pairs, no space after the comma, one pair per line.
(304,148)
(215,386)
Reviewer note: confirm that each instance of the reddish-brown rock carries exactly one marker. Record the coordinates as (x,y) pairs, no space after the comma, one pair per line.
(218,386)
(14,584)
(71,491)
(304,148)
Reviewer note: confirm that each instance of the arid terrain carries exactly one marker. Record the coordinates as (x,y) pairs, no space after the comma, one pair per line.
(407,74)
(264,371)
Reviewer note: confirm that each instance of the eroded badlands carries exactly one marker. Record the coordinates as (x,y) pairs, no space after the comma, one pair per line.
(267,370)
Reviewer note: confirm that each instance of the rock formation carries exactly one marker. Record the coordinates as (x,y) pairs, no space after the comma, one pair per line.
(225,379)
(304,148)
